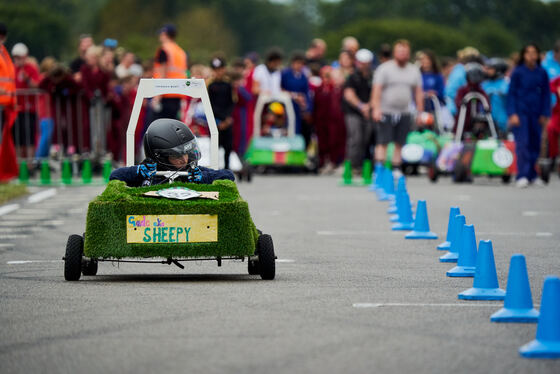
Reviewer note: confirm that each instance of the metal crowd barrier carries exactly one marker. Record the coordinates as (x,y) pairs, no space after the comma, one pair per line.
(60,124)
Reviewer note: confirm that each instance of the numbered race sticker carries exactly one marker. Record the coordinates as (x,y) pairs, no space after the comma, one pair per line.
(412,153)
(178,193)
(192,228)
(502,157)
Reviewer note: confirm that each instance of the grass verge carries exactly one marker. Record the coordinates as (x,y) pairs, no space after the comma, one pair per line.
(11,191)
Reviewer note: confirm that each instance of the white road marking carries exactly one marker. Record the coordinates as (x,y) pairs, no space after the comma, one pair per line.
(18,223)
(379,305)
(28,217)
(13,236)
(8,230)
(8,208)
(285,260)
(7,245)
(40,196)
(540,234)
(530,213)
(347,232)
(21,262)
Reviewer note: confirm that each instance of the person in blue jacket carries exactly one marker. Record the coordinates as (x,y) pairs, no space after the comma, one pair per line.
(294,81)
(458,76)
(551,61)
(169,145)
(432,80)
(528,108)
(496,87)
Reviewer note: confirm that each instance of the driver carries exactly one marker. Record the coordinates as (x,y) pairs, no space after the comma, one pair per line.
(169,145)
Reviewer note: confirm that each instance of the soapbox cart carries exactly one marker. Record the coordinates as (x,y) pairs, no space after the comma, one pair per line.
(145,225)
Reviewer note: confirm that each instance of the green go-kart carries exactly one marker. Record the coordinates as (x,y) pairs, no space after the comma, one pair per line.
(282,150)
(173,222)
(479,152)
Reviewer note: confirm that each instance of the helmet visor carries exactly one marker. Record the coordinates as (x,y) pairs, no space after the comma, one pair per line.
(189,149)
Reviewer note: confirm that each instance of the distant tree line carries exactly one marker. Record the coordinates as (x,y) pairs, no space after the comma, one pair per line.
(496,27)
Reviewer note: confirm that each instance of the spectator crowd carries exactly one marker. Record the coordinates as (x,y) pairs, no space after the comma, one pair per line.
(348,109)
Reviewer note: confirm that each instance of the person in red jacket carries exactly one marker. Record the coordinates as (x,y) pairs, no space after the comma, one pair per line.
(475,76)
(553,127)
(27,77)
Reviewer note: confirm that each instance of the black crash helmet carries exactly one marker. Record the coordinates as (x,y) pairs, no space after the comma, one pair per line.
(499,65)
(168,137)
(475,72)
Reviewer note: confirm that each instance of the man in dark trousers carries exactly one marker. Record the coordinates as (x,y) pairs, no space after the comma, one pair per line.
(357,111)
(221,96)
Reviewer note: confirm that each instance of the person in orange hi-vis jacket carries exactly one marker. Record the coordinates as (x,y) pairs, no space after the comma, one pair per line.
(8,162)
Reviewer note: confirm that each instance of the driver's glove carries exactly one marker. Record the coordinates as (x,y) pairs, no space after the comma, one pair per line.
(194,175)
(146,170)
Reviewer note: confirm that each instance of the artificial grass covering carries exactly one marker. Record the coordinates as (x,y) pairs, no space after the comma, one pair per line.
(11,191)
(106,227)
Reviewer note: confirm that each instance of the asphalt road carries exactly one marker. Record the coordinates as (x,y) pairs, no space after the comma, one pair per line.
(350,295)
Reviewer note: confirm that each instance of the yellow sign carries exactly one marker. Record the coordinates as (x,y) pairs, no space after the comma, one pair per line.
(195,228)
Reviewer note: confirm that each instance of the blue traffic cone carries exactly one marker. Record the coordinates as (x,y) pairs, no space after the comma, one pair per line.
(518,305)
(405,222)
(401,187)
(453,211)
(456,229)
(377,177)
(388,192)
(547,342)
(421,224)
(485,284)
(466,263)
(382,181)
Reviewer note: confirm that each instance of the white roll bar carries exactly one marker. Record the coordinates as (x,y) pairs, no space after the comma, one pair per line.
(472,98)
(189,87)
(282,97)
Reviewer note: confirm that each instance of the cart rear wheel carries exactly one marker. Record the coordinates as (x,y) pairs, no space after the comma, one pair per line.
(267,259)
(89,267)
(506,178)
(545,167)
(73,258)
(433,173)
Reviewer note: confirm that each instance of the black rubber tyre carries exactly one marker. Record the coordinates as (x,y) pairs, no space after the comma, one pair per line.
(249,176)
(433,172)
(460,173)
(253,267)
(89,267)
(73,258)
(545,167)
(267,259)
(506,178)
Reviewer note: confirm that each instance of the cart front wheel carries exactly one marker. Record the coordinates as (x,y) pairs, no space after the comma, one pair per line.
(267,259)
(73,258)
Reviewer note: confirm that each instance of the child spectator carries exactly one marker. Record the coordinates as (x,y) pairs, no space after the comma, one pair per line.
(27,77)
(221,94)
(328,119)
(295,83)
